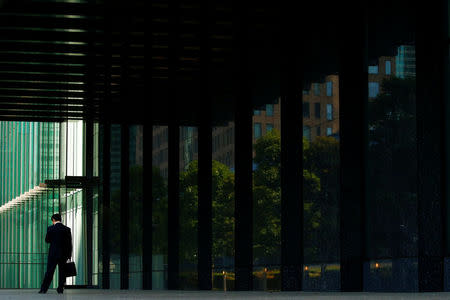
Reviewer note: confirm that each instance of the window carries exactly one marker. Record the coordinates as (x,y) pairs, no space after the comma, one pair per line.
(316,89)
(305,92)
(329,131)
(257,130)
(374,89)
(257,112)
(307,132)
(317,110)
(306,109)
(329,112)
(387,69)
(269,127)
(269,110)
(329,88)
(373,69)
(318,131)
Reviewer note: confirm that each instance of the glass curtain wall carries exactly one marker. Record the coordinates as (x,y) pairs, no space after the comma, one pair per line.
(160,207)
(115,194)
(29,156)
(136,200)
(392,205)
(321,167)
(33,157)
(223,201)
(188,208)
(264,61)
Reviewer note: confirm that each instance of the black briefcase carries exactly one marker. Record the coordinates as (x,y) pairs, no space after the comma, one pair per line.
(70,269)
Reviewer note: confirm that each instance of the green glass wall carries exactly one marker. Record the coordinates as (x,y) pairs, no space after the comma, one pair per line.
(31,153)
(29,156)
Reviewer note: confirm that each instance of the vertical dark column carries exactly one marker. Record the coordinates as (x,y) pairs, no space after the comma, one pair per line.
(89,150)
(446,134)
(147,208)
(205,163)
(243,155)
(124,206)
(106,150)
(174,153)
(431,48)
(147,192)
(291,158)
(89,169)
(205,207)
(106,207)
(173,209)
(353,93)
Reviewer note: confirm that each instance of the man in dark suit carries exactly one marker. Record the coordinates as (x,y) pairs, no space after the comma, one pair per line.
(60,251)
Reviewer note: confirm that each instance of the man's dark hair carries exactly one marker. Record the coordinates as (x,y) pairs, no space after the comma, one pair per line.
(56,217)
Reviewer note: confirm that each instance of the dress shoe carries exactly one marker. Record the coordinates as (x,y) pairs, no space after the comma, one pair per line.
(42,292)
(60,291)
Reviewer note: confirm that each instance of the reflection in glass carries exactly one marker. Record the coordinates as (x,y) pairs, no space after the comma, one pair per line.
(392,156)
(188,207)
(159,207)
(223,207)
(267,202)
(32,156)
(321,271)
(136,199)
(114,264)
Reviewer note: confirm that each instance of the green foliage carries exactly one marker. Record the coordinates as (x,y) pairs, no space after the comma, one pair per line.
(321,161)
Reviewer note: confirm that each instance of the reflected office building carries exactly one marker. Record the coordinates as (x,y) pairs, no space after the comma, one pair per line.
(233,146)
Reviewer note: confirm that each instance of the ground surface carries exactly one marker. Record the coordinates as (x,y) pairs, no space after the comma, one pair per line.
(114,294)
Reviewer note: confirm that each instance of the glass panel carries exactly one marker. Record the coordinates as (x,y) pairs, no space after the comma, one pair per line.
(321,270)
(388,67)
(31,154)
(391,208)
(159,207)
(269,110)
(329,88)
(136,205)
(223,209)
(330,112)
(306,112)
(257,130)
(373,69)
(267,204)
(114,264)
(188,207)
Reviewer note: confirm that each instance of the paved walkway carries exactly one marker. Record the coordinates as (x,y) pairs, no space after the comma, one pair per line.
(197,295)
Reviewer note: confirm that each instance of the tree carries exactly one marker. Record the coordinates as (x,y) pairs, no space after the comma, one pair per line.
(392,170)
(222,208)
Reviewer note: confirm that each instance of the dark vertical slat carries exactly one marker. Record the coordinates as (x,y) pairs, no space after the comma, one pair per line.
(106,212)
(147,208)
(174,153)
(124,206)
(243,155)
(205,207)
(205,163)
(431,42)
(173,207)
(89,152)
(147,193)
(89,169)
(446,131)
(291,158)
(353,94)
(124,16)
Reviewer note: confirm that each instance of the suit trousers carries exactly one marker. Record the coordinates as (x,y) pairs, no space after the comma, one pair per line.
(51,266)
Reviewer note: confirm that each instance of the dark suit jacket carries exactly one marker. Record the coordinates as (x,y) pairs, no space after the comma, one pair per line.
(60,240)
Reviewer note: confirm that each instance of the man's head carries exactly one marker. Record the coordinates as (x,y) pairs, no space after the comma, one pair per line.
(56,218)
